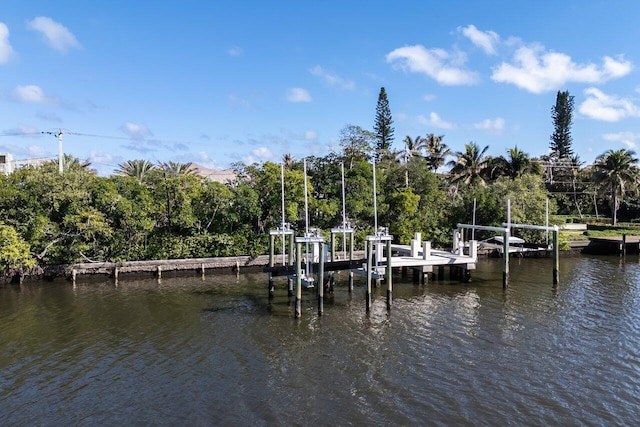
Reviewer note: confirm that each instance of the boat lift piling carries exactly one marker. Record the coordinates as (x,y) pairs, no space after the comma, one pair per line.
(377,239)
(505,255)
(344,229)
(286,233)
(316,241)
(298,308)
(321,279)
(556,249)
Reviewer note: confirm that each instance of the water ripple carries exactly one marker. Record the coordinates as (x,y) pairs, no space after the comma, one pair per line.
(188,351)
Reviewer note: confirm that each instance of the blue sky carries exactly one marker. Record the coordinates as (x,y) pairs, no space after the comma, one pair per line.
(219,82)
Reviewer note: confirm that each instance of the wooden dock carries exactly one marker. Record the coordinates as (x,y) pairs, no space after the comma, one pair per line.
(615,245)
(381,257)
(404,258)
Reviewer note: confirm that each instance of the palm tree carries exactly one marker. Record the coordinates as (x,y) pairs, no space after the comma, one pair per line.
(176,168)
(412,147)
(437,151)
(470,165)
(72,163)
(288,159)
(616,172)
(575,164)
(138,169)
(516,164)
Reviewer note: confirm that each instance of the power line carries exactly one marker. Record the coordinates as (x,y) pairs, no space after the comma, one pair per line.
(90,135)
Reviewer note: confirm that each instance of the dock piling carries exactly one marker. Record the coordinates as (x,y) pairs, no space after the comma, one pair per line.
(505,259)
(320,280)
(389,275)
(272,287)
(367,295)
(298,309)
(556,257)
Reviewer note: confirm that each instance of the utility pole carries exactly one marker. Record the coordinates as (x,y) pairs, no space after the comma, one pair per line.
(58,134)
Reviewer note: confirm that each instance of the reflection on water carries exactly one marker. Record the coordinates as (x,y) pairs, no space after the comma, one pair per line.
(216,350)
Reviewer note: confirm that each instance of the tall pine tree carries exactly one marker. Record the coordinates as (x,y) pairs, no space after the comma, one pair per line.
(382,128)
(562,114)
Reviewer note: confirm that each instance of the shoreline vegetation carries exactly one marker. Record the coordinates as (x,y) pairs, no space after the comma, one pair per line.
(213,265)
(49,220)
(62,214)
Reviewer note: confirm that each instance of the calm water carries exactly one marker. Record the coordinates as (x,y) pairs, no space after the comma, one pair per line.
(189,351)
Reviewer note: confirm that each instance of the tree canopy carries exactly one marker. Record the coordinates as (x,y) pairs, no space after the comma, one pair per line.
(383,129)
(562,115)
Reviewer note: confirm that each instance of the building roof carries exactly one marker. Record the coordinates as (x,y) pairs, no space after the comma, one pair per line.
(223,176)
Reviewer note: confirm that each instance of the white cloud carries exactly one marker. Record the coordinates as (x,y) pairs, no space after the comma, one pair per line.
(36,151)
(24,131)
(486,40)
(205,160)
(311,135)
(444,67)
(6,51)
(429,97)
(235,51)
(57,35)
(236,101)
(495,126)
(536,70)
(50,117)
(600,106)
(136,131)
(628,138)
(436,121)
(262,153)
(331,78)
(297,94)
(259,154)
(32,94)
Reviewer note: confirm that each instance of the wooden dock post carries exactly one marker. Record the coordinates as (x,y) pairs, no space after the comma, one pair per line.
(415,244)
(389,275)
(291,253)
(367,295)
(321,280)
(426,250)
(272,239)
(426,253)
(298,307)
(351,240)
(350,281)
(624,245)
(116,271)
(505,259)
(159,272)
(333,247)
(73,276)
(556,257)
(473,254)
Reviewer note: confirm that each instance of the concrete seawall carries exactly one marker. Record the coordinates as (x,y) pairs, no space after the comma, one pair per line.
(154,267)
(161,266)
(230,263)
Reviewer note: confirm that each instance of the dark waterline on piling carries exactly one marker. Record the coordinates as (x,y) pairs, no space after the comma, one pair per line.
(220,351)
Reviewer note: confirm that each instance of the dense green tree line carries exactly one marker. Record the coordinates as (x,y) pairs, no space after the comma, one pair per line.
(156,212)
(164,211)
